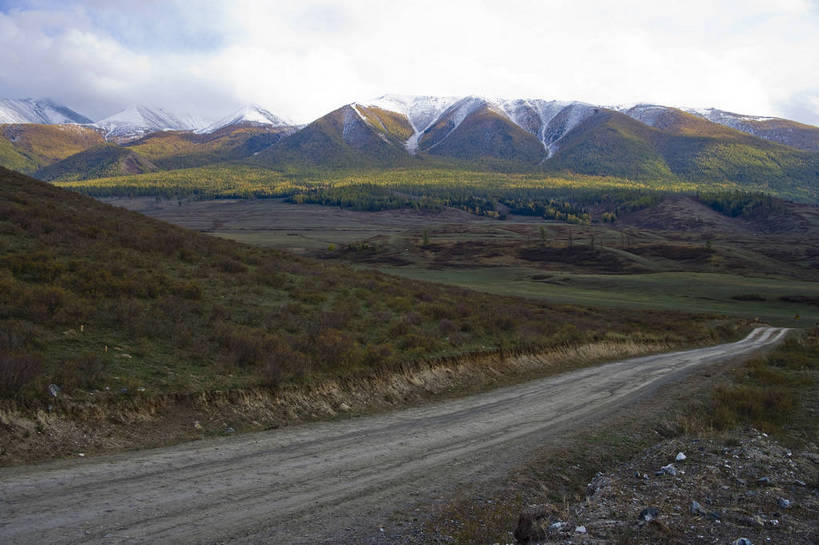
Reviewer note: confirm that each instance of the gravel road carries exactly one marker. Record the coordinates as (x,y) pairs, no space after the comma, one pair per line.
(327,482)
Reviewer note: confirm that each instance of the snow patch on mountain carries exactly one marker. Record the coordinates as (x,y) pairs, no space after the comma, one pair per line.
(548,120)
(137,120)
(648,114)
(249,115)
(42,110)
(421,111)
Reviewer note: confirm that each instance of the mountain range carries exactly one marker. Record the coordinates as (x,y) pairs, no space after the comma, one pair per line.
(641,141)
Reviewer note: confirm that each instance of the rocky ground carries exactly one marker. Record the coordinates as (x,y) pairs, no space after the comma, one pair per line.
(692,490)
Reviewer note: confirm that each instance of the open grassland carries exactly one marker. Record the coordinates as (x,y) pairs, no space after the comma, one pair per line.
(714,263)
(691,292)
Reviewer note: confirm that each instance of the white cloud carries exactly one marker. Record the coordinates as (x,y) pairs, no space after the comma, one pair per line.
(302,59)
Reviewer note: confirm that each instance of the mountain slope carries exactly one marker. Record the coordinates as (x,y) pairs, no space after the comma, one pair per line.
(175,149)
(782,131)
(344,138)
(247,116)
(27,147)
(137,120)
(41,111)
(100,161)
(611,143)
(474,129)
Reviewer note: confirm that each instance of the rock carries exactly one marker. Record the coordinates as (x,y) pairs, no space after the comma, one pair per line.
(783,503)
(597,484)
(669,469)
(763,480)
(555,526)
(532,524)
(580,530)
(696,509)
(648,514)
(229,430)
(54,390)
(742,541)
(680,457)
(755,521)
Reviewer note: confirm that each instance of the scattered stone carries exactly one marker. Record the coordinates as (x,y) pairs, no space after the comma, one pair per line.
(756,521)
(783,503)
(229,430)
(54,390)
(696,509)
(580,530)
(669,469)
(555,526)
(742,541)
(648,514)
(680,457)
(773,522)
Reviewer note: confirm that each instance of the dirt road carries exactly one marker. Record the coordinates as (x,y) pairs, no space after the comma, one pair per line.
(328,482)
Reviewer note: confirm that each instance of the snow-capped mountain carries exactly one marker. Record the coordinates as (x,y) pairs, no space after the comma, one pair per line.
(549,121)
(250,115)
(421,112)
(137,120)
(42,110)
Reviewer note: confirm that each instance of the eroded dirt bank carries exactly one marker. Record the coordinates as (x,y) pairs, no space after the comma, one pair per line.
(73,428)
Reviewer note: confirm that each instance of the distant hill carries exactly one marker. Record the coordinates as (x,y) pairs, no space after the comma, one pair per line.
(100,161)
(27,147)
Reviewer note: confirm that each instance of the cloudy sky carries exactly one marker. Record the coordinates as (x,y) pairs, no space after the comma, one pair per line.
(304,58)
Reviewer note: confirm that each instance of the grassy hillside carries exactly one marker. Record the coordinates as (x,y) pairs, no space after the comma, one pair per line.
(27,147)
(483,134)
(611,143)
(340,139)
(174,150)
(100,161)
(97,299)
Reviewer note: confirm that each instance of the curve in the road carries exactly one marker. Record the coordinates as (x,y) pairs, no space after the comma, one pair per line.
(311,483)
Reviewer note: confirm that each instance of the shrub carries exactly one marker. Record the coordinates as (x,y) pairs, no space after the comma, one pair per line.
(17,371)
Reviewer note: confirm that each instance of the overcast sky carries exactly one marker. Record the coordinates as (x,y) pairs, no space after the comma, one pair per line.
(304,58)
